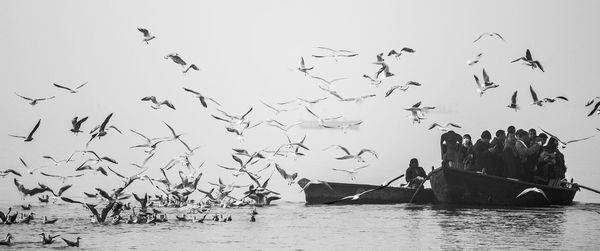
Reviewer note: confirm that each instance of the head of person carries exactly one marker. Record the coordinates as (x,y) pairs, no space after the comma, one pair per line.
(510,130)
(466,139)
(543,138)
(532,133)
(414,162)
(486,136)
(552,144)
(500,134)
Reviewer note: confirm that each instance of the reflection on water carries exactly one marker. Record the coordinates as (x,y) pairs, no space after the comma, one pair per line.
(291,226)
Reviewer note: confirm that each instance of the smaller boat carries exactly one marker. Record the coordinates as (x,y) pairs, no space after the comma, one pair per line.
(322,194)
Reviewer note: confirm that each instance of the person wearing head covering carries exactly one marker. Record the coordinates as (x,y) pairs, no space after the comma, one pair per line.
(526,154)
(551,164)
(483,156)
(509,154)
(450,146)
(467,155)
(496,150)
(415,175)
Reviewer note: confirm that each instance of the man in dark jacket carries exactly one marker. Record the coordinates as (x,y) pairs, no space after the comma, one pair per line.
(496,150)
(415,175)
(450,146)
(483,156)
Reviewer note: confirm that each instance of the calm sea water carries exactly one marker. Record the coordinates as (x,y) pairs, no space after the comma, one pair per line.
(296,226)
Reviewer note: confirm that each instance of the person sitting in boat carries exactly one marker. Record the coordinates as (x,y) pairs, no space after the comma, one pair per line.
(524,152)
(415,175)
(509,155)
(483,156)
(531,137)
(450,146)
(551,164)
(467,155)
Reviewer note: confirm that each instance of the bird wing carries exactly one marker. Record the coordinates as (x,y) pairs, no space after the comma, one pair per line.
(168,103)
(170,129)
(361,167)
(595,109)
(454,125)
(497,34)
(26,98)
(103,125)
(575,140)
(245,114)
(63,87)
(433,126)
(486,78)
(144,31)
(551,135)
(368,151)
(34,129)
(342,170)
(111,160)
(533,94)
(142,135)
(63,189)
(325,48)
(192,91)
(50,175)
(311,112)
(118,174)
(539,65)
(78,123)
(417,104)
(477,81)
(480,36)
(68,200)
(528,55)
(514,98)
(281,171)
(82,85)
(562,97)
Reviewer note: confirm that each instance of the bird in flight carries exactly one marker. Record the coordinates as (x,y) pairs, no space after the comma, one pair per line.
(76,123)
(328,82)
(474,61)
(201,97)
(288,177)
(528,59)
(513,102)
(156,104)
(344,126)
(397,54)
(71,90)
(34,101)
(193,67)
(321,120)
(147,36)
(486,85)
(352,172)
(489,34)
(539,102)
(29,137)
(348,155)
(444,127)
(595,110)
(335,53)
(401,87)
(563,144)
(176,59)
(303,67)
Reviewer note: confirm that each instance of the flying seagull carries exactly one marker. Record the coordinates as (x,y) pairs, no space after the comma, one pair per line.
(486,85)
(513,102)
(529,61)
(490,34)
(303,67)
(288,177)
(348,155)
(70,89)
(30,136)
(336,53)
(474,61)
(201,97)
(77,124)
(175,57)
(34,101)
(352,172)
(444,127)
(539,102)
(193,67)
(397,54)
(157,104)
(328,82)
(147,36)
(595,110)
(402,87)
(563,144)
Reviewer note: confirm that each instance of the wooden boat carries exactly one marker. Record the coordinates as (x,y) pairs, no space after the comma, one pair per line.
(457,186)
(321,194)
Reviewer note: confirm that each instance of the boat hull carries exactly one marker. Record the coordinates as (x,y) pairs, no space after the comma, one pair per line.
(457,186)
(321,194)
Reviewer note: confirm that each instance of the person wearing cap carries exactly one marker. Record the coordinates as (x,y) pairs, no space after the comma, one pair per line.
(467,155)
(525,153)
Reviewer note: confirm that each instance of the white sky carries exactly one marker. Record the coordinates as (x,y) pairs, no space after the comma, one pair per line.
(246,51)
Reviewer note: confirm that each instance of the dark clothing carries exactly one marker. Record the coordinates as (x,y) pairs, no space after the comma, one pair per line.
(510,159)
(551,164)
(483,156)
(467,155)
(527,159)
(496,167)
(450,147)
(412,173)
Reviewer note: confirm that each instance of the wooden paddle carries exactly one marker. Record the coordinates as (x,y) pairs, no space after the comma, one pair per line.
(419,188)
(365,192)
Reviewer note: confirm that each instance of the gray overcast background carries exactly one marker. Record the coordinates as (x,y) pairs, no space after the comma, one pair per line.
(248,49)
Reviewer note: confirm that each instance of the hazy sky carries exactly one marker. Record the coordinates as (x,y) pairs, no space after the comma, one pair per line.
(248,50)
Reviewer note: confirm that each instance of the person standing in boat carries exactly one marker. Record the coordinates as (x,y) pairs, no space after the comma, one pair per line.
(483,156)
(527,168)
(496,167)
(509,155)
(415,175)
(467,155)
(450,147)
(551,163)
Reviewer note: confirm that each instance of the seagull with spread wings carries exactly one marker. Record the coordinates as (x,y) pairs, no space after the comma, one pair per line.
(147,36)
(328,82)
(303,67)
(335,54)
(513,102)
(76,123)
(352,172)
(191,67)
(201,97)
(34,101)
(474,61)
(157,104)
(563,144)
(348,155)
(444,127)
(176,59)
(29,137)
(398,54)
(486,85)
(320,120)
(528,60)
(402,87)
(71,90)
(288,177)
(489,34)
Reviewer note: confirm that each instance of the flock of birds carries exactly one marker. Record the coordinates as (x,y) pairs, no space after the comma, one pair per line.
(177,193)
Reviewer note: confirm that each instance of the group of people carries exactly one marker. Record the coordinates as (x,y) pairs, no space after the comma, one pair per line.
(517,154)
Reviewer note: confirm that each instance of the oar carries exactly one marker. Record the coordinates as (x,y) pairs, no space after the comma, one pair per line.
(366,192)
(419,188)
(588,188)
